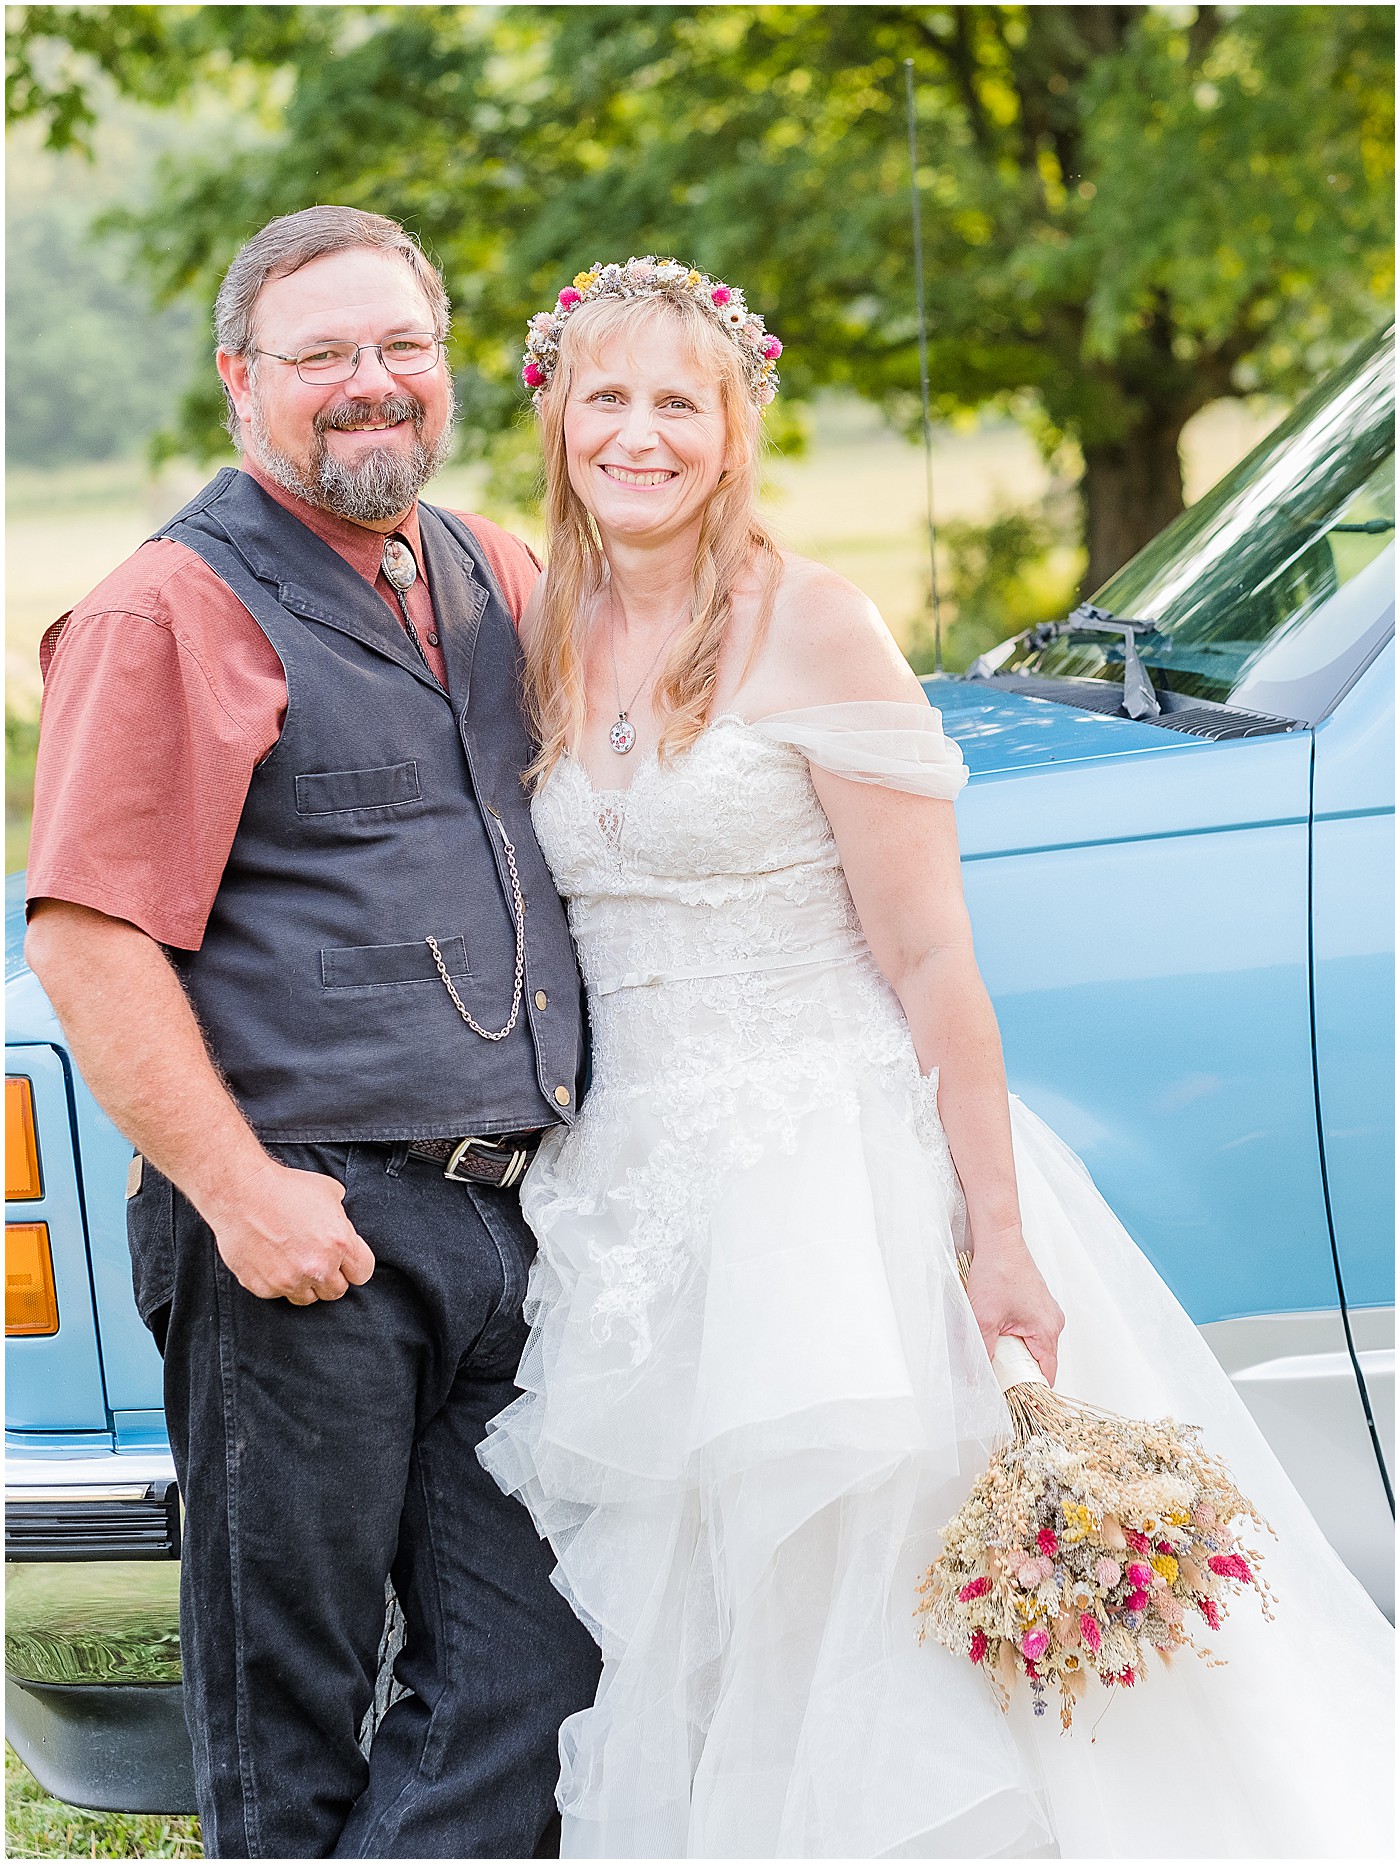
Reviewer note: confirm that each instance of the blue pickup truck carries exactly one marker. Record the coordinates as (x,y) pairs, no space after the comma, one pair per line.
(1178,854)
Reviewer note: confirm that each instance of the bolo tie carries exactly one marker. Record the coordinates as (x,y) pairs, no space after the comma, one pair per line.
(401,572)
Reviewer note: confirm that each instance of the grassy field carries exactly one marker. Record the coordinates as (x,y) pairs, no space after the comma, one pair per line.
(37,1826)
(855,500)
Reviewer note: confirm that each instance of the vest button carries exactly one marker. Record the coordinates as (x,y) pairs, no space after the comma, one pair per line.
(541,1000)
(561,1094)
(432,640)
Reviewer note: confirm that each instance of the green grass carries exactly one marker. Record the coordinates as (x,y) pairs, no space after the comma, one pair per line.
(39,1826)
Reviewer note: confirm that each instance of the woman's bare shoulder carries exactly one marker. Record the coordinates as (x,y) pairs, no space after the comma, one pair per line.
(827,643)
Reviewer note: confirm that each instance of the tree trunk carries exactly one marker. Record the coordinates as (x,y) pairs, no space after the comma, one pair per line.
(1132,488)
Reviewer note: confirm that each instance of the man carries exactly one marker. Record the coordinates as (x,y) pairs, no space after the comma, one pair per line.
(287,904)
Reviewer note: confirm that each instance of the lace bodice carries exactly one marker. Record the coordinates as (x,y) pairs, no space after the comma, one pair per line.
(712,864)
(722,860)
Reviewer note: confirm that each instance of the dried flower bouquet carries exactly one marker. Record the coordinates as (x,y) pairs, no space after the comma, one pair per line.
(1089,1540)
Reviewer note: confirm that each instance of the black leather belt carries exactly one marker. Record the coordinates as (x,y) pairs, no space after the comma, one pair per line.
(499,1161)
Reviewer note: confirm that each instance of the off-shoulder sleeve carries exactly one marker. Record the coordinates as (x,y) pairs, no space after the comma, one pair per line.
(901,746)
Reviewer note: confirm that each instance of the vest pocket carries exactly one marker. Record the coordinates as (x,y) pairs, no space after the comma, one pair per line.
(358,967)
(328,792)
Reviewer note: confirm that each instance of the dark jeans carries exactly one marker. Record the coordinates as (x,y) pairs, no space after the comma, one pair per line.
(319,1450)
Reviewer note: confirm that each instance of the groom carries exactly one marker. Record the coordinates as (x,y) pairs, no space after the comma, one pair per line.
(287,904)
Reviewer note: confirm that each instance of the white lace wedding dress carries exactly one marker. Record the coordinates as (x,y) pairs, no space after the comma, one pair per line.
(754,1390)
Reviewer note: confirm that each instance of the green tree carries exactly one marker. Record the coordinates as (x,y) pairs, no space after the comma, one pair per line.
(1130,211)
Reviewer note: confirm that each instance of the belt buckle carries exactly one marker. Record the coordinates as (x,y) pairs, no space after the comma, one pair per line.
(515,1159)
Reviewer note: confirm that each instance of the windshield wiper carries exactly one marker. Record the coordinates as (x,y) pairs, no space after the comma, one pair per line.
(1139,699)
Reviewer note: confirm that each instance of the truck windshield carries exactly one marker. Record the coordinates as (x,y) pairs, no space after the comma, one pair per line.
(1232,583)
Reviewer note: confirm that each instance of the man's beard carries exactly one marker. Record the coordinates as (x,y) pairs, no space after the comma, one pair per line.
(378,485)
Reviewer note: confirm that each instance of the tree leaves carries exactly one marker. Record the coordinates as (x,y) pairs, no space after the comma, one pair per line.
(1129,211)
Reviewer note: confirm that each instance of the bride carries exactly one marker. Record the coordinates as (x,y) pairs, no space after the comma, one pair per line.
(755,1389)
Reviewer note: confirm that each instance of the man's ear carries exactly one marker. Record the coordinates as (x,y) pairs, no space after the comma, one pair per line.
(235,372)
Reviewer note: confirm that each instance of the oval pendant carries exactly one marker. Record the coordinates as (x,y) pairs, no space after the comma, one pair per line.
(622,736)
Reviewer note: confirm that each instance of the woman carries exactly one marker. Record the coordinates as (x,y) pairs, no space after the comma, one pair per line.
(755,1389)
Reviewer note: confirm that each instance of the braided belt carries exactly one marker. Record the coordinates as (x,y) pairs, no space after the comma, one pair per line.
(499,1162)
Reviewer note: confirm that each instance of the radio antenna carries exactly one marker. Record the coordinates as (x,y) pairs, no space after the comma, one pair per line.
(923,366)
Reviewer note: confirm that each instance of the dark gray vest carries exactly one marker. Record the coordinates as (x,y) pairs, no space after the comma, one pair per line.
(380,817)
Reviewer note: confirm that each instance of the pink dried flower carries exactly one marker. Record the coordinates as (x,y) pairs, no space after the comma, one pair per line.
(1089,1631)
(974,1589)
(1203,1515)
(979,1647)
(1210,1611)
(1107,1572)
(1127,1678)
(569,296)
(1028,1574)
(721,294)
(1035,1644)
(1230,1566)
(1136,1601)
(772,349)
(534,375)
(1139,1575)
(1047,1542)
(1138,1542)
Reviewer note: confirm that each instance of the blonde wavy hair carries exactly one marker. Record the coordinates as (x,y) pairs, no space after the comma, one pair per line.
(731,540)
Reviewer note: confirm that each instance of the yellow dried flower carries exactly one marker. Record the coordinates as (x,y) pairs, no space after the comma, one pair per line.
(1079,1523)
(583,280)
(1164,1564)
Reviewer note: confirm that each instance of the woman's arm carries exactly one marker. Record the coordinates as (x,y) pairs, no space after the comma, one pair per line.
(900,856)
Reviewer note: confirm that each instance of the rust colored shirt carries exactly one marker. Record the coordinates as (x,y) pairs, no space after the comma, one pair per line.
(161,696)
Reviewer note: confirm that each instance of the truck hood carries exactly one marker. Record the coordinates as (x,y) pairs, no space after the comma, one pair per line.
(1044,775)
(1000,732)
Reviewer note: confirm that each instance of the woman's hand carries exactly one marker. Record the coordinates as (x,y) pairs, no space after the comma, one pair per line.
(1008,1295)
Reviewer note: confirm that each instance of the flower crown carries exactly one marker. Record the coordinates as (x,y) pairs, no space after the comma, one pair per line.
(655,278)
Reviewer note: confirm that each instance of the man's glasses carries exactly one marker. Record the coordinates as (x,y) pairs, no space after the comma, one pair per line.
(411,354)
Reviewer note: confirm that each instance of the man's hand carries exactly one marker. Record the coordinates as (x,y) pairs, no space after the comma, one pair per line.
(133,1034)
(286,1235)
(1008,1295)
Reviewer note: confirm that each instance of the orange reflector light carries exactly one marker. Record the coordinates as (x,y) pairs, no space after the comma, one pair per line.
(31,1305)
(22,1179)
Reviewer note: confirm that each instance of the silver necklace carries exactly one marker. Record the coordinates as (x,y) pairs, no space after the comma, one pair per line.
(622,734)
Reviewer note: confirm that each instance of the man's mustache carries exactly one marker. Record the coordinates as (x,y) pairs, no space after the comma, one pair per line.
(345,415)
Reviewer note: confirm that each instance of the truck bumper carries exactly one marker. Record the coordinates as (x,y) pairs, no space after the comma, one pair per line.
(114,1748)
(93,1703)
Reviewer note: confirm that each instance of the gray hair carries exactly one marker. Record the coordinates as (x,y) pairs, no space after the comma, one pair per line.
(283,246)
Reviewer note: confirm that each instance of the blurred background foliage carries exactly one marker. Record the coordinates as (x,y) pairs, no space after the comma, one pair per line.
(1131,214)
(1130,211)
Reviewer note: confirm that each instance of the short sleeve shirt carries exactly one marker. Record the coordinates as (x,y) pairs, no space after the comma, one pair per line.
(161,697)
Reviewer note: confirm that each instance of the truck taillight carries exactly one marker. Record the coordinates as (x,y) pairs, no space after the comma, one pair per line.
(31,1303)
(22,1179)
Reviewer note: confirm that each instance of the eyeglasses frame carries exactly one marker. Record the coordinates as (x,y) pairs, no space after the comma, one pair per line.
(321,381)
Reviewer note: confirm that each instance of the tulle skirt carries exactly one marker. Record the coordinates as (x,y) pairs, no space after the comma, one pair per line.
(754,1393)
